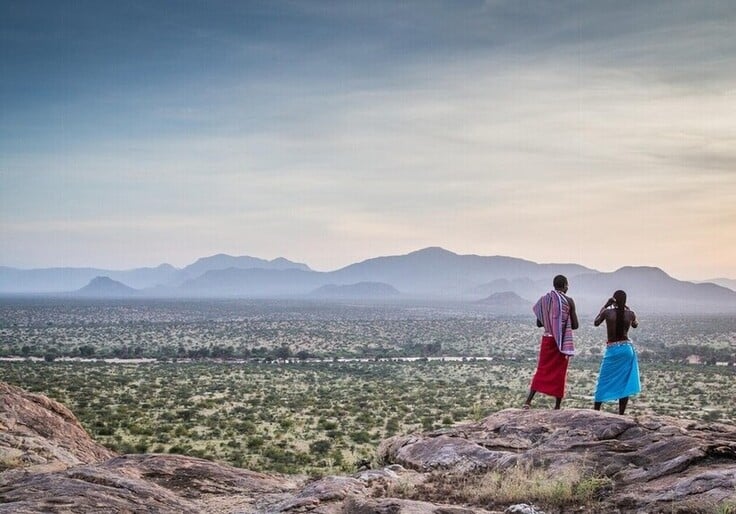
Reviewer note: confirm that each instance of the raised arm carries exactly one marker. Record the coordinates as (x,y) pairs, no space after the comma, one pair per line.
(602,314)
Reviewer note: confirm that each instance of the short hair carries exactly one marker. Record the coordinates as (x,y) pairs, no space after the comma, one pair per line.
(559,281)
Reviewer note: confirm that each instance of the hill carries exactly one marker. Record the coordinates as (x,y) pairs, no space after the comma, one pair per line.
(524,287)
(361,290)
(507,302)
(105,287)
(569,459)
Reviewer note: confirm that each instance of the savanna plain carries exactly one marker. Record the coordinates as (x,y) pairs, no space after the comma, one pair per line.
(312,387)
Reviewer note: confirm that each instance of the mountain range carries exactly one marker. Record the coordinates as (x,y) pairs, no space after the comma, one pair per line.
(430,273)
(725,282)
(59,280)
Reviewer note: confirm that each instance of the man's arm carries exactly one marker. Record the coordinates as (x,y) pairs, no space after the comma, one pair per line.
(602,314)
(573,314)
(539,324)
(634,321)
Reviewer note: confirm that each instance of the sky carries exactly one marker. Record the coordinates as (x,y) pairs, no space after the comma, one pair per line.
(134,133)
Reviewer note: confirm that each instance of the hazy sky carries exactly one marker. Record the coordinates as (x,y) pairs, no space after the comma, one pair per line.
(134,132)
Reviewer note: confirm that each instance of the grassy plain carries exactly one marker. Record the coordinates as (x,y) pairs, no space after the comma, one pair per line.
(319,417)
(324,417)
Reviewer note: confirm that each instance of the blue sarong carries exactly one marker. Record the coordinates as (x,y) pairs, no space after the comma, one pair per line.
(619,373)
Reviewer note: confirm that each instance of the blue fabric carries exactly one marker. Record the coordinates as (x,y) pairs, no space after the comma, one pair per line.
(619,373)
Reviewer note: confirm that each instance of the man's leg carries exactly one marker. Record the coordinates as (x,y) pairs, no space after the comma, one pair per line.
(558,402)
(528,402)
(597,405)
(622,402)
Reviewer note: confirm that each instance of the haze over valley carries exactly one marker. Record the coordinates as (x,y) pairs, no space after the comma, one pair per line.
(428,274)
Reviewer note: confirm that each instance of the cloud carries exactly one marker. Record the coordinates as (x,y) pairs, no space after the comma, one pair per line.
(460,124)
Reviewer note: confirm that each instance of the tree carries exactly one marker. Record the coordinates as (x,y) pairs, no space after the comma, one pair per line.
(282,353)
(86,350)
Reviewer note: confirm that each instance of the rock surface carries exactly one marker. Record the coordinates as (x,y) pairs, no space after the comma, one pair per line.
(652,462)
(35,430)
(49,464)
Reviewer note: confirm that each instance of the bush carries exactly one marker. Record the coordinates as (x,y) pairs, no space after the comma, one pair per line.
(255,442)
(360,437)
(320,447)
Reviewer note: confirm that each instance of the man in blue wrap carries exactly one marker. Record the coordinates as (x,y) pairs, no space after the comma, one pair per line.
(618,377)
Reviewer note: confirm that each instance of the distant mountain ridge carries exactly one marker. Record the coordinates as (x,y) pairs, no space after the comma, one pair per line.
(59,280)
(654,289)
(435,270)
(429,273)
(222,261)
(723,282)
(62,280)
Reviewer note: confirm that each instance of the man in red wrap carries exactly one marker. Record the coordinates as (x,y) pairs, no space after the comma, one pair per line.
(555,312)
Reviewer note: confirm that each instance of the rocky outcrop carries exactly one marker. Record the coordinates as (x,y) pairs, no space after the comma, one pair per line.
(653,464)
(650,462)
(37,431)
(144,484)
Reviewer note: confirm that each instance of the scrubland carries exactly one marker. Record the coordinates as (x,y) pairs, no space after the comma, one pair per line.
(325,417)
(262,329)
(309,416)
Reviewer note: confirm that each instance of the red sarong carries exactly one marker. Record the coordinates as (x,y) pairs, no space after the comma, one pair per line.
(551,369)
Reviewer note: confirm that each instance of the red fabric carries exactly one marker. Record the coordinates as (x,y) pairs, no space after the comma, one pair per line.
(551,369)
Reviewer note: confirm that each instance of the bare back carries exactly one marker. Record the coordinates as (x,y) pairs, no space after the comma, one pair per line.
(610,315)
